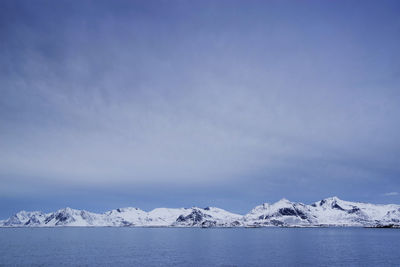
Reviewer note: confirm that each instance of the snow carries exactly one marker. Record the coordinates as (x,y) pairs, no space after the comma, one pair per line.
(327,212)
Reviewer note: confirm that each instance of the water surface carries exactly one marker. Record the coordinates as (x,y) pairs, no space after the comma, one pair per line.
(200,247)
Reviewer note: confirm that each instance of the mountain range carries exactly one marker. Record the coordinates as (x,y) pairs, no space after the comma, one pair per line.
(284,213)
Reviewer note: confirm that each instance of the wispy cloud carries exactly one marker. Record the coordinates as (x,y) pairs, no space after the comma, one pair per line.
(391,194)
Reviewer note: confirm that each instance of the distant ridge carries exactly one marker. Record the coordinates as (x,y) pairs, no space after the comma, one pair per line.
(327,212)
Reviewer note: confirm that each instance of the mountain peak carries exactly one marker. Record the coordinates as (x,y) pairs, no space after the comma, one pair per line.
(334,198)
(283,201)
(68,210)
(328,201)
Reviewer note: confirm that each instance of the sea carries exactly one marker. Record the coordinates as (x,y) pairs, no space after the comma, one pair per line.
(85,246)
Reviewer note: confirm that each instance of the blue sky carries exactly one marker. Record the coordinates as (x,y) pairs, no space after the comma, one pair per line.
(106,104)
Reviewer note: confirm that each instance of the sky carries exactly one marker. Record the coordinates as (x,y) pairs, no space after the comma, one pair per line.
(107,104)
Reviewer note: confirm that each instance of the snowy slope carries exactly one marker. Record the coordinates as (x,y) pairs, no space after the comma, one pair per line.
(327,212)
(281,213)
(339,212)
(22,218)
(209,217)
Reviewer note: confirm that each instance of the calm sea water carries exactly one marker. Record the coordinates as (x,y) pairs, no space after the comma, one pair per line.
(200,247)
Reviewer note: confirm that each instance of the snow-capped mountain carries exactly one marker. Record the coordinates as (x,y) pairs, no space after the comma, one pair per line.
(23,218)
(281,213)
(327,212)
(208,217)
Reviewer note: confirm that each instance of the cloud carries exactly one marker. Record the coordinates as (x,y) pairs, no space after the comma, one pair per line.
(391,194)
(142,99)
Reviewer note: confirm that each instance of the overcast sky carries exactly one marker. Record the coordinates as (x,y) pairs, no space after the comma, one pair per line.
(106,104)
